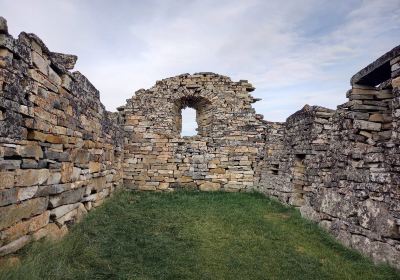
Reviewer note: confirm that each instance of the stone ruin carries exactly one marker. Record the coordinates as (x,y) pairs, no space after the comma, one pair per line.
(62,153)
(223,155)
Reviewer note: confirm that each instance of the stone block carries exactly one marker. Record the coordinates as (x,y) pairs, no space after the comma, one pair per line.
(54,139)
(163,186)
(375,216)
(147,187)
(10,164)
(8,196)
(6,180)
(53,77)
(367,125)
(94,167)
(30,177)
(14,213)
(335,204)
(3,26)
(53,189)
(26,193)
(54,178)
(54,232)
(376,118)
(29,164)
(60,211)
(76,172)
(217,171)
(36,135)
(210,186)
(396,82)
(98,183)
(82,156)
(66,82)
(67,170)
(25,227)
(41,63)
(15,245)
(31,151)
(67,197)
(70,216)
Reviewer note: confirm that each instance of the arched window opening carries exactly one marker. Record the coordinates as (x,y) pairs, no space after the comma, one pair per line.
(189,123)
(192,116)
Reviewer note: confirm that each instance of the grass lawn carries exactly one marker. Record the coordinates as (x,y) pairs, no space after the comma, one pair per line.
(193,235)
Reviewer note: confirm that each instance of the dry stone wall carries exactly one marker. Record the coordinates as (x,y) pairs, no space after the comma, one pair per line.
(62,153)
(341,168)
(60,150)
(223,155)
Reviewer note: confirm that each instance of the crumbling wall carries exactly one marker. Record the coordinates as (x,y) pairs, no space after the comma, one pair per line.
(293,153)
(60,151)
(224,154)
(341,168)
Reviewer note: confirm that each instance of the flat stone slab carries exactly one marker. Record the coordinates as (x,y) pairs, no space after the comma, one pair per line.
(376,72)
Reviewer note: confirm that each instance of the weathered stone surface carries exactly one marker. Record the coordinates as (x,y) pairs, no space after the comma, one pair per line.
(67,169)
(23,228)
(3,26)
(29,177)
(70,216)
(16,212)
(8,196)
(62,210)
(26,193)
(40,63)
(209,186)
(67,197)
(66,60)
(6,179)
(53,189)
(94,167)
(52,232)
(366,125)
(147,188)
(375,216)
(54,178)
(14,246)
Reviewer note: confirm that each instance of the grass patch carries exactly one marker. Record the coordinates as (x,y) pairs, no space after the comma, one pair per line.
(194,235)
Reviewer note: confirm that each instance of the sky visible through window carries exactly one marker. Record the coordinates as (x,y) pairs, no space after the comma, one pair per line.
(189,123)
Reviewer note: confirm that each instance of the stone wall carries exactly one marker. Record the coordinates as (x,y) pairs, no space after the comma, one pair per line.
(341,168)
(60,150)
(62,153)
(222,156)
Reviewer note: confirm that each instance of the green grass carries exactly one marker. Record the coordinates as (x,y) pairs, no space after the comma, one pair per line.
(193,235)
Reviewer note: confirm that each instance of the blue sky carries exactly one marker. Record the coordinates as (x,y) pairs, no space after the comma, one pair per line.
(294,52)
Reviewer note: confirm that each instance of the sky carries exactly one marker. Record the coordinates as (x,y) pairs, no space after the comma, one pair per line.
(294,52)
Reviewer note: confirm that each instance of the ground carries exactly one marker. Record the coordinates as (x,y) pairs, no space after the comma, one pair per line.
(194,235)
